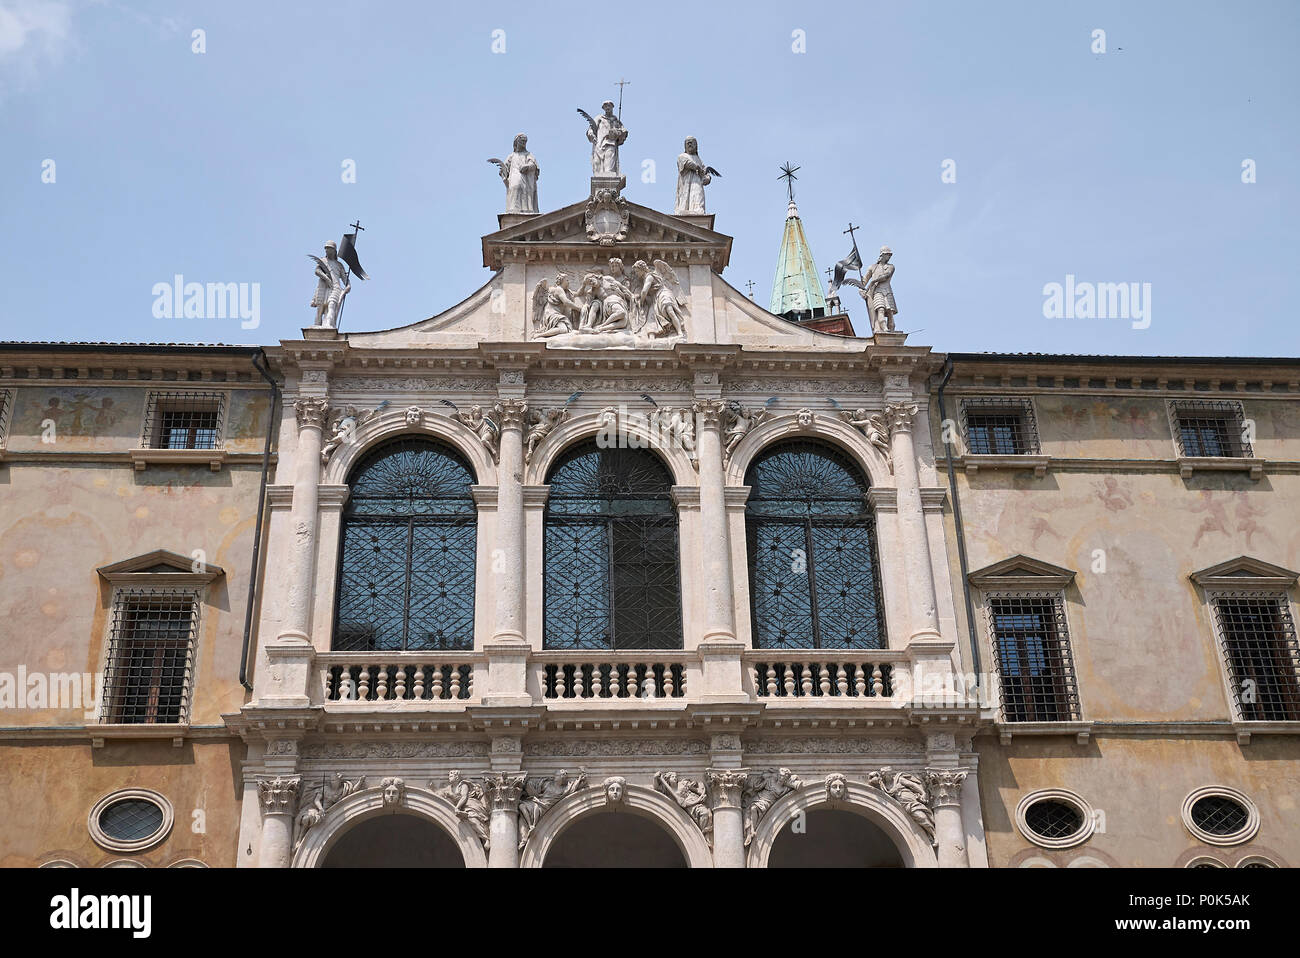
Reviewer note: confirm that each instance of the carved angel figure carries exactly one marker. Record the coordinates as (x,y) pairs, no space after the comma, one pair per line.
(332,285)
(309,817)
(339,788)
(737,421)
(470,802)
(909,791)
(484,427)
(661,298)
(762,789)
(540,795)
(692,796)
(872,425)
(540,424)
(555,310)
(676,424)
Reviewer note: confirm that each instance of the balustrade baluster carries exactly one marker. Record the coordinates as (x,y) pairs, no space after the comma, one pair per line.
(417,692)
(805,682)
(824,681)
(668,681)
(381,683)
(859,680)
(595,681)
(455,682)
(789,678)
(437,682)
(771,679)
(399,683)
(841,679)
(632,686)
(877,682)
(363,685)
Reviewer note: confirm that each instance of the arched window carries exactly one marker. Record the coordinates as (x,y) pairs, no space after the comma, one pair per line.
(406,571)
(611,577)
(813,571)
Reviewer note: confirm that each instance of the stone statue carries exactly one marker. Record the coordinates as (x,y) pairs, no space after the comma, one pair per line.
(615,790)
(540,795)
(737,421)
(519,171)
(555,310)
(692,177)
(488,432)
(837,787)
(661,299)
(470,802)
(909,791)
(677,424)
(610,305)
(692,796)
(308,818)
(606,133)
(877,293)
(394,790)
(871,425)
(339,788)
(332,285)
(540,424)
(762,790)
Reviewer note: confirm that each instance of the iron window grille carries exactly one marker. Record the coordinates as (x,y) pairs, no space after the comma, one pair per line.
(1035,667)
(150,657)
(5,404)
(1053,819)
(999,427)
(611,555)
(131,819)
(184,420)
(408,552)
(1261,653)
(813,563)
(1210,428)
(1220,815)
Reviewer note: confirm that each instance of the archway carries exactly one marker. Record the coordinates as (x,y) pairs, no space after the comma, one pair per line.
(394,841)
(614,840)
(833,838)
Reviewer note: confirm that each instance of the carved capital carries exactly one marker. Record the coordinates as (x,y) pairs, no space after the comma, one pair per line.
(512,413)
(311,412)
(899,416)
(709,412)
(278,795)
(504,790)
(945,785)
(726,787)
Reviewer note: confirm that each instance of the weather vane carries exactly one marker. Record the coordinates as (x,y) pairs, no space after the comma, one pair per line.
(788,174)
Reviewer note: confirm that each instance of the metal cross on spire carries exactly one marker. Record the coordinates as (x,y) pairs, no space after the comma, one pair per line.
(357,225)
(788,174)
(750,286)
(621,83)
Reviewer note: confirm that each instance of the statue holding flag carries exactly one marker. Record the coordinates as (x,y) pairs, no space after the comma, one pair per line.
(332,280)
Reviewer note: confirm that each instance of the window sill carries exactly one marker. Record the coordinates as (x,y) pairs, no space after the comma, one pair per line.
(1190,464)
(1038,463)
(214,458)
(1245,729)
(137,731)
(1082,731)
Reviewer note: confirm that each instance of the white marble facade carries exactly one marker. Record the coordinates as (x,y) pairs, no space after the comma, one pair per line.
(745,763)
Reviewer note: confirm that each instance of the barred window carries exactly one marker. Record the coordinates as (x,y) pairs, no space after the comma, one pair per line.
(6,402)
(1210,428)
(409,551)
(814,577)
(1035,668)
(183,420)
(150,657)
(999,427)
(1263,658)
(611,552)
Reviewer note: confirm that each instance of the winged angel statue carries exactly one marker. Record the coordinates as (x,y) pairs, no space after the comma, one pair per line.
(611,308)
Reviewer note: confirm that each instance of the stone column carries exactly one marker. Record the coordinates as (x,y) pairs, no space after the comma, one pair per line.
(949,832)
(509,558)
(923,618)
(503,792)
(279,799)
(311,415)
(726,787)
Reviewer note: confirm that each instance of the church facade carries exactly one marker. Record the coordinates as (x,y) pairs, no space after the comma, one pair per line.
(607,564)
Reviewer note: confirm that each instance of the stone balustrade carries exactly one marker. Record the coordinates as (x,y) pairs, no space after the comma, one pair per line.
(396,677)
(823,674)
(627,676)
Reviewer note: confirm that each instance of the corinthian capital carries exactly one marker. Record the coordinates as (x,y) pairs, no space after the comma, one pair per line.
(726,786)
(899,416)
(311,412)
(278,795)
(945,785)
(504,789)
(709,412)
(512,413)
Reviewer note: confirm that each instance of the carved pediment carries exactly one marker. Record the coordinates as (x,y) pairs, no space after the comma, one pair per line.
(1022,572)
(161,567)
(1245,572)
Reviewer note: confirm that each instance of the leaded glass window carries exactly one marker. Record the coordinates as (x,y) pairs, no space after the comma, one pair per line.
(813,569)
(408,554)
(611,576)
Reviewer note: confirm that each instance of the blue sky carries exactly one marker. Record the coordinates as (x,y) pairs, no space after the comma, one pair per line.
(225,166)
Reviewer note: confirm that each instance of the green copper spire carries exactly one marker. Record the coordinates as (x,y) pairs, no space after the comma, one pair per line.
(796,288)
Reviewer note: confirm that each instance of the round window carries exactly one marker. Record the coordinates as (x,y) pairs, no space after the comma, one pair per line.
(1218,815)
(130,820)
(1055,818)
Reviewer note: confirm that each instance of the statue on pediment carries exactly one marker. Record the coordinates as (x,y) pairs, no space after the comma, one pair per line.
(606,133)
(692,177)
(519,171)
(877,292)
(661,300)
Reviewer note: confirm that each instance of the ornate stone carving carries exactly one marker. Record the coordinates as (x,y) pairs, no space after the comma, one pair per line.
(519,172)
(607,217)
(344,424)
(804,417)
(840,745)
(676,424)
(762,790)
(615,747)
(908,790)
(470,802)
(333,751)
(455,384)
(311,412)
(837,787)
(873,426)
(877,292)
(821,387)
(503,789)
(278,795)
(414,415)
(606,134)
(540,794)
(541,423)
(692,796)
(615,790)
(945,785)
(611,309)
(338,788)
(511,414)
(484,426)
(692,177)
(332,286)
(899,416)
(394,791)
(323,798)
(738,420)
(727,788)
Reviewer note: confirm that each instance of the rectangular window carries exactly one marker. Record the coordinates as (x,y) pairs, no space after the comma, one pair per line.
(1262,655)
(1210,428)
(999,427)
(1034,663)
(184,420)
(150,657)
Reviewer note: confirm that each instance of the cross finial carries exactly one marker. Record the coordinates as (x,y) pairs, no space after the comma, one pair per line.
(357,225)
(621,83)
(788,174)
(750,286)
(852,230)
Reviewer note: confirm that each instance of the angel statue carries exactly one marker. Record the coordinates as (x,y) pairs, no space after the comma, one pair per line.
(661,298)
(555,310)
(606,133)
(878,294)
(519,171)
(872,425)
(331,287)
(691,795)
(610,308)
(737,421)
(540,794)
(692,177)
(488,432)
(541,422)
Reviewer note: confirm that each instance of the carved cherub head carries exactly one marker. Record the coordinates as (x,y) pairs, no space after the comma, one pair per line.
(393,790)
(615,789)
